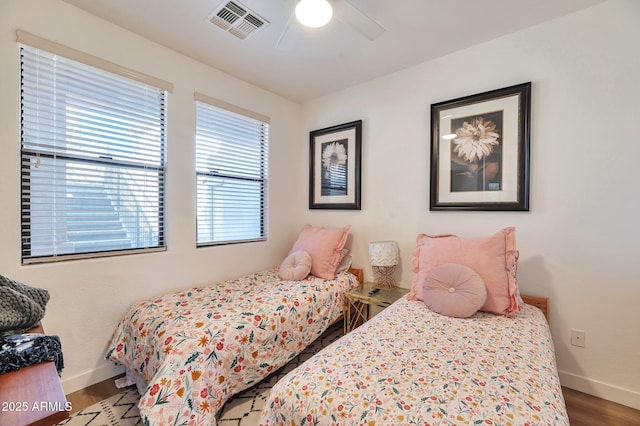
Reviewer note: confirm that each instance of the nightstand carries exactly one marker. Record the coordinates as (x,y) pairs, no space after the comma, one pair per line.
(357,303)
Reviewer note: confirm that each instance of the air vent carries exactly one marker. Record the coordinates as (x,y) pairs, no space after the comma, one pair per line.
(237,19)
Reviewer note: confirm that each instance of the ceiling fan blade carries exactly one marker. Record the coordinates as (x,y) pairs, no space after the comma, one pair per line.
(286,39)
(354,17)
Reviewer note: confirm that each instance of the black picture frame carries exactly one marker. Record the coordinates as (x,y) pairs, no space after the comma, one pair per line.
(335,167)
(480,151)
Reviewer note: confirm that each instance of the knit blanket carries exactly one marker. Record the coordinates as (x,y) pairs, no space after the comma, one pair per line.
(23,350)
(21,306)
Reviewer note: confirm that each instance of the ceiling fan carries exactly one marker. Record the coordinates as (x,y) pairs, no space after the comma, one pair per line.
(316,13)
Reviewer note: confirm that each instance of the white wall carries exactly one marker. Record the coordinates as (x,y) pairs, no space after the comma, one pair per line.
(580,243)
(88,297)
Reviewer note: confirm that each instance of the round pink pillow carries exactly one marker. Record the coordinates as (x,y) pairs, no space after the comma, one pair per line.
(454,290)
(296,266)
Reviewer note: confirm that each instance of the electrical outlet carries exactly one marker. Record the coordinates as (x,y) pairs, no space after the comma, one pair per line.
(578,338)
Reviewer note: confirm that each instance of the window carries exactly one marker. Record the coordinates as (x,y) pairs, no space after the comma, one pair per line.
(231,173)
(92,160)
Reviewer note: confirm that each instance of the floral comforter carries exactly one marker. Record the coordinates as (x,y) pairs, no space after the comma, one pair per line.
(197,348)
(410,366)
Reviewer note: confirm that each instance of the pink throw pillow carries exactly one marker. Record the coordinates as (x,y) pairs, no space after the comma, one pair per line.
(494,258)
(296,266)
(324,245)
(453,290)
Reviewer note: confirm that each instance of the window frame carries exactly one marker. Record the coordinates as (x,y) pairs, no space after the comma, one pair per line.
(263,166)
(36,45)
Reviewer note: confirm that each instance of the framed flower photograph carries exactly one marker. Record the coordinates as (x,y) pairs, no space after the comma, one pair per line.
(334,167)
(480,151)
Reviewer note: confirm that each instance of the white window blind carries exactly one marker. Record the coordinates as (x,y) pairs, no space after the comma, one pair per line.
(231,173)
(92,160)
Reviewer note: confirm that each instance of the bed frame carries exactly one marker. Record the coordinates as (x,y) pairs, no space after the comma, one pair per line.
(541,303)
(358,273)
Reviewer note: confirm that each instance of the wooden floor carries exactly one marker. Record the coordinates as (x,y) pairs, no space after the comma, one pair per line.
(583,409)
(587,410)
(93,394)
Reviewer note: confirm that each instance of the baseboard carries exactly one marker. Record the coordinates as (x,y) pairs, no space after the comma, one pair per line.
(600,389)
(81,381)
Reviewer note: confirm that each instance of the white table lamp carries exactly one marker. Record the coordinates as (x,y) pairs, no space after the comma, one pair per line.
(384,256)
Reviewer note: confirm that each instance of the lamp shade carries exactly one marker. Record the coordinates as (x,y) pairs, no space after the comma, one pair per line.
(314,13)
(384,253)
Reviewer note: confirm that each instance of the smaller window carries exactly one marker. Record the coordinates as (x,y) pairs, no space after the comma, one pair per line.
(231,173)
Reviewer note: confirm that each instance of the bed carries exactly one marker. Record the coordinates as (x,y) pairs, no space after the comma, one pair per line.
(398,370)
(192,350)
(413,364)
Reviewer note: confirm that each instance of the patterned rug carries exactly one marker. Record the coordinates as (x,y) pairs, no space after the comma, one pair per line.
(241,410)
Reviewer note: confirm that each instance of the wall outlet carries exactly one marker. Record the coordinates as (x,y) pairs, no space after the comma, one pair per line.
(578,338)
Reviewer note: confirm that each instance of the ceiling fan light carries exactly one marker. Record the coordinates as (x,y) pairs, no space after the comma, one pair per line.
(314,13)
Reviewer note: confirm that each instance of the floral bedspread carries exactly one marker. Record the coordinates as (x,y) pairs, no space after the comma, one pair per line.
(197,348)
(410,366)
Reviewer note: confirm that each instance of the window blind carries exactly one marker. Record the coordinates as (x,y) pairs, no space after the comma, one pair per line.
(231,174)
(92,160)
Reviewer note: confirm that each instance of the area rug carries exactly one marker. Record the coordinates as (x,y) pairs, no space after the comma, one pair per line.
(241,410)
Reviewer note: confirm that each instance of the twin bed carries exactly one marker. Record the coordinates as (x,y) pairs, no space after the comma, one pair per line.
(411,366)
(190,351)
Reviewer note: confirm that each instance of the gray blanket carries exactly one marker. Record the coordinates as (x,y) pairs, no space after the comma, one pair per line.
(21,306)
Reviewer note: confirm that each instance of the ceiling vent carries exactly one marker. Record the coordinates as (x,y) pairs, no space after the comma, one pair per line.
(237,19)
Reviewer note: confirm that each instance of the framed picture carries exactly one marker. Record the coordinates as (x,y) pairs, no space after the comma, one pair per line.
(334,167)
(480,151)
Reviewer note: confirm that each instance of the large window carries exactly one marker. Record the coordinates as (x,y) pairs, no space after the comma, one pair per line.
(231,173)
(92,160)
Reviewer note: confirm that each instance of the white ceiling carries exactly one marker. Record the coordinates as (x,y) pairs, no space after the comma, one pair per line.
(315,62)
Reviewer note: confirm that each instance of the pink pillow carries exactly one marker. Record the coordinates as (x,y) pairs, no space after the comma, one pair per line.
(453,290)
(296,266)
(494,258)
(324,245)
